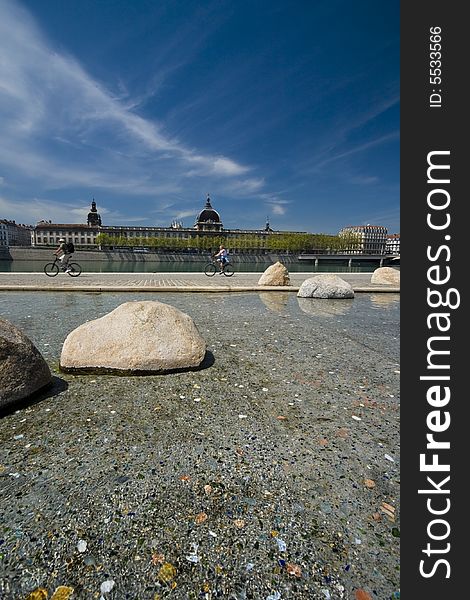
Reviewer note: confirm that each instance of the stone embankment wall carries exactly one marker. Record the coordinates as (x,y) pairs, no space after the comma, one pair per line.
(44,254)
(4,253)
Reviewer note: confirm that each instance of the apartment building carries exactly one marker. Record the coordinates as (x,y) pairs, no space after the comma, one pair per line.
(13,234)
(371,238)
(392,244)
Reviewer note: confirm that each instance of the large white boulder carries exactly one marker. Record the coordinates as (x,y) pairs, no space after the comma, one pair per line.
(276,274)
(325,286)
(23,370)
(145,336)
(386,276)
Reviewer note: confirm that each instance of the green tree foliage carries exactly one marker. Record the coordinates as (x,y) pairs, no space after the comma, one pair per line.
(206,243)
(309,242)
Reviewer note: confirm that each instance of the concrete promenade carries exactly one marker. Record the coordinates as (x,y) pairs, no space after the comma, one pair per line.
(169,282)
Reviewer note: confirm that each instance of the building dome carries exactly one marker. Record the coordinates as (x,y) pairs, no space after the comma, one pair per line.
(208,219)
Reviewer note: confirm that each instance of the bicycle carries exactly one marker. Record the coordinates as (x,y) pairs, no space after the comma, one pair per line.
(212,268)
(52,269)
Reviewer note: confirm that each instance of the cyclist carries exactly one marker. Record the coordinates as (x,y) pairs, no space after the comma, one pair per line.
(63,255)
(222,258)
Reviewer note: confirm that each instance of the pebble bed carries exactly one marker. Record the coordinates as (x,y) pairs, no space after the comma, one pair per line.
(271,473)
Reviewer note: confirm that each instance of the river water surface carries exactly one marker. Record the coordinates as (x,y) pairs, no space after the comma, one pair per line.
(139,266)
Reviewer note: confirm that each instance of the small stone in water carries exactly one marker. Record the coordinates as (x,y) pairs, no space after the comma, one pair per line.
(281,544)
(166,573)
(39,594)
(194,558)
(293,569)
(362,595)
(107,586)
(62,593)
(200,518)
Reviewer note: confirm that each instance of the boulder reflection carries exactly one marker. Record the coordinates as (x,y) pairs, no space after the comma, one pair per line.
(274,301)
(384,300)
(318,307)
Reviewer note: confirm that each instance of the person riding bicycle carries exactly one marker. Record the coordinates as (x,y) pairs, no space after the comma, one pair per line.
(222,258)
(63,255)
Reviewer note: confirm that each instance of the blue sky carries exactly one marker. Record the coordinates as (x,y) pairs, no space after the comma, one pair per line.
(275,108)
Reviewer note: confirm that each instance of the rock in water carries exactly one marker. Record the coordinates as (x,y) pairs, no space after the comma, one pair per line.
(23,370)
(325,286)
(146,336)
(386,276)
(276,274)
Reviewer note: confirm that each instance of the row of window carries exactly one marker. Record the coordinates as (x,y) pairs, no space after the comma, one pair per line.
(76,240)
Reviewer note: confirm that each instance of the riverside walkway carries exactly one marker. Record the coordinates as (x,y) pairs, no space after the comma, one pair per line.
(169,282)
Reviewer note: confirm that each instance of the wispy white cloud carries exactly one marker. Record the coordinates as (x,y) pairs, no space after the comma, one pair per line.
(213,166)
(364,180)
(340,142)
(391,215)
(335,154)
(62,128)
(278,209)
(375,109)
(186,213)
(365,146)
(277,206)
(251,185)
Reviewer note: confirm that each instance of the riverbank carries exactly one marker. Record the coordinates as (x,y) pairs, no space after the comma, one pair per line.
(95,255)
(21,259)
(172,282)
(273,472)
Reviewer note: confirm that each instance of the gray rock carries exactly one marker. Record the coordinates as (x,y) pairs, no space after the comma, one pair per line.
(325,286)
(23,370)
(145,336)
(386,276)
(276,274)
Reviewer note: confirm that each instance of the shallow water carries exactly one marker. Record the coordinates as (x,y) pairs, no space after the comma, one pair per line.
(230,473)
(47,317)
